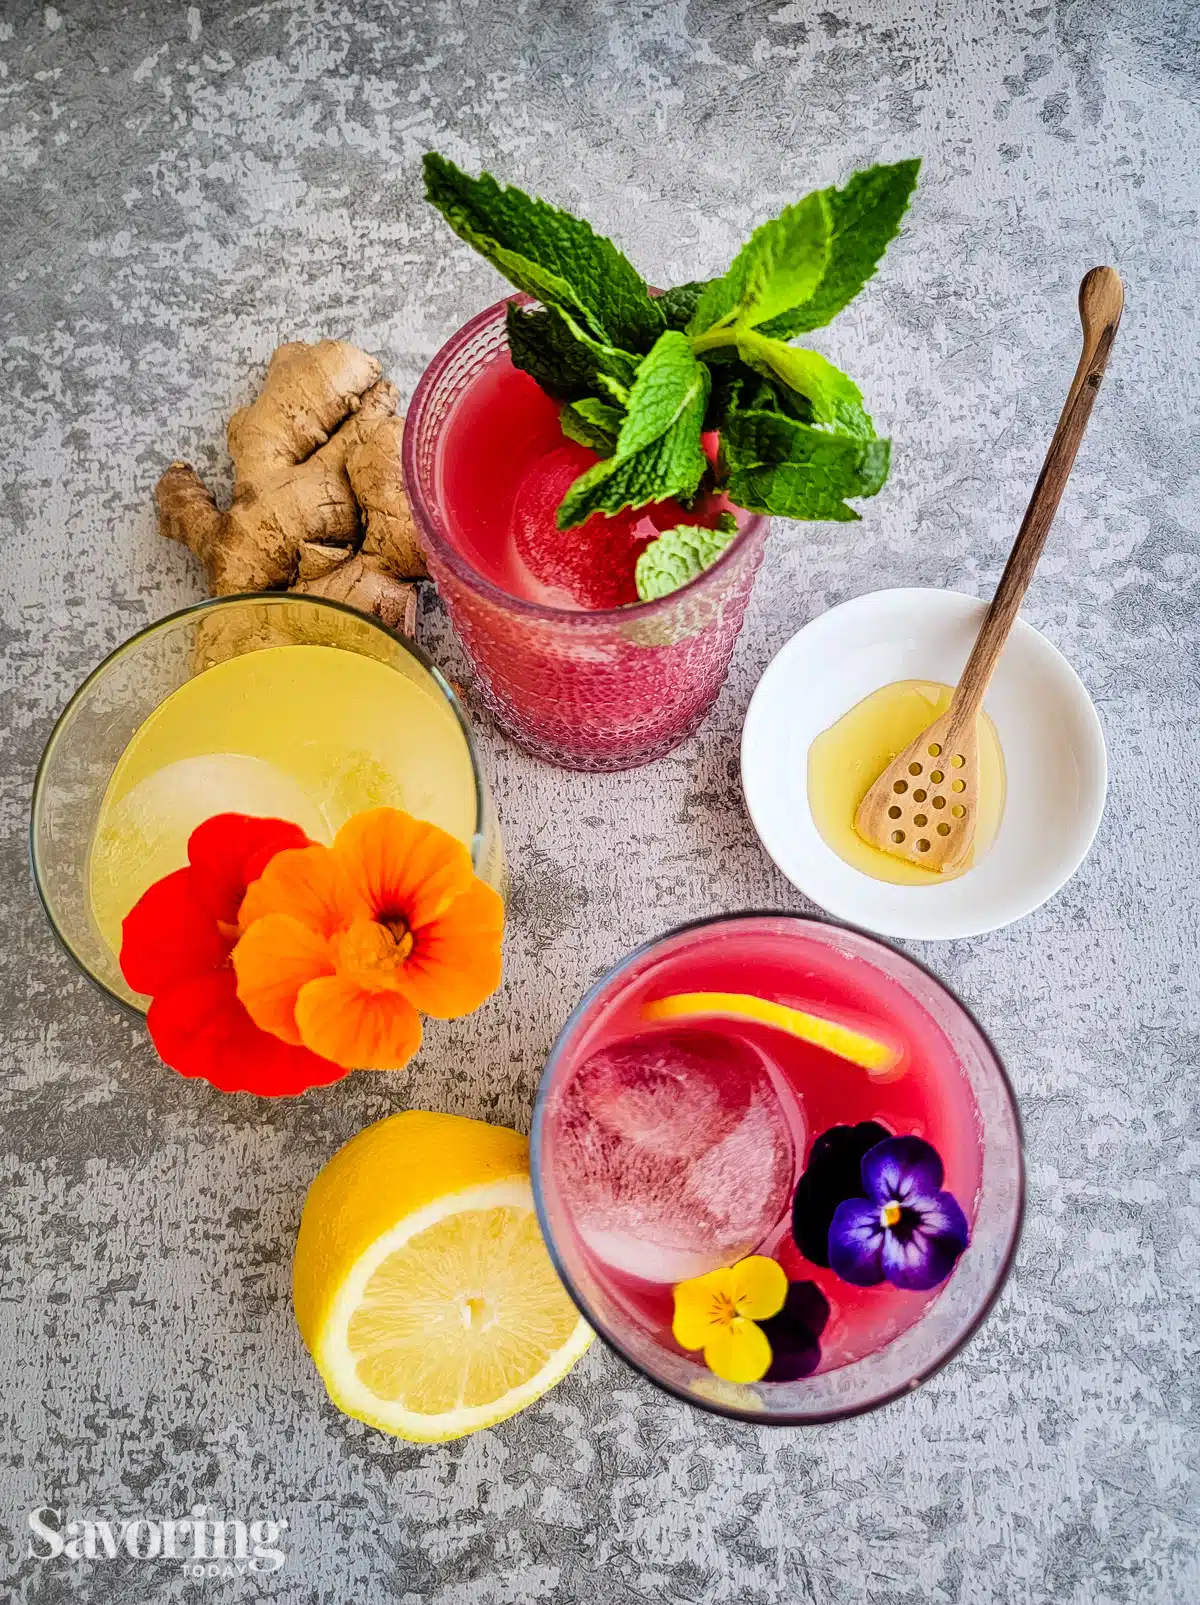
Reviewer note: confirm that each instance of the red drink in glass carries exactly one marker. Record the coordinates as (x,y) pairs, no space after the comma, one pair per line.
(662,1151)
(570,664)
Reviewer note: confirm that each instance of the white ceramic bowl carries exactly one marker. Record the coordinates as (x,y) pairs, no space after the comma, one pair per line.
(1051,738)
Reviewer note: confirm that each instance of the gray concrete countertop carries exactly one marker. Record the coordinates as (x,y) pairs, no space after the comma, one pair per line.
(181,188)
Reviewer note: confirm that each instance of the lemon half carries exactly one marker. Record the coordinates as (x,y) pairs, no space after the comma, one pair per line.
(422,1285)
(877,1058)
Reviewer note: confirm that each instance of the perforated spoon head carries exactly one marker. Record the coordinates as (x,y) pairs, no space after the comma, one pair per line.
(924,805)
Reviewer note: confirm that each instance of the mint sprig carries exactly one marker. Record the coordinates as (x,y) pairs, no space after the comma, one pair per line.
(641,377)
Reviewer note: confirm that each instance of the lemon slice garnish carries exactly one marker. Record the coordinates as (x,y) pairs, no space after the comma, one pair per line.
(877,1058)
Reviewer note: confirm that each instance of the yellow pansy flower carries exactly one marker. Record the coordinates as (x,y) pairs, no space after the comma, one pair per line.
(717,1313)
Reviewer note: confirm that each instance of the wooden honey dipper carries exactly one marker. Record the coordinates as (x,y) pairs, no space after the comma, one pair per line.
(923,807)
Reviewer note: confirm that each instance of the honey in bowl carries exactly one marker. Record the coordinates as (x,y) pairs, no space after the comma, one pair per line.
(846,760)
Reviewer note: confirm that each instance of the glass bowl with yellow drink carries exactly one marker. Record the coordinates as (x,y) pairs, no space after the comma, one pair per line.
(291,707)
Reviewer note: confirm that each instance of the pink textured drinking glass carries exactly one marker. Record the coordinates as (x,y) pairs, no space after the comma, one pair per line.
(608,689)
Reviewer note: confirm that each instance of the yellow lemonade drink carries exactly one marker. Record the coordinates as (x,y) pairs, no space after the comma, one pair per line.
(311,734)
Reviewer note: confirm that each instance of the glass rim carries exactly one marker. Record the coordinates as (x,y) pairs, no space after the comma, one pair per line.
(213,604)
(713,1406)
(429,518)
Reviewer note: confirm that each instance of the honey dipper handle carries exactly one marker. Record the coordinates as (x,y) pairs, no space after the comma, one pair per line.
(1100,301)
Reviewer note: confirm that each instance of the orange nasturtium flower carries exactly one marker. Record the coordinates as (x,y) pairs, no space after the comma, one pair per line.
(342,946)
(718,1312)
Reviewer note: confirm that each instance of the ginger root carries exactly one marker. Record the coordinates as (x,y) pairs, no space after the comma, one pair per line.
(319,504)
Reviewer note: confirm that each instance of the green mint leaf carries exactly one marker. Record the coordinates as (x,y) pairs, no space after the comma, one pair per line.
(680,555)
(865,217)
(778,268)
(670,387)
(777,465)
(658,449)
(774,396)
(547,253)
(678,306)
(739,388)
(592,423)
(832,395)
(728,388)
(550,346)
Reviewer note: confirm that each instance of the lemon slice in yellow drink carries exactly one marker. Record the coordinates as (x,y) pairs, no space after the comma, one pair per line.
(878,1058)
(423,1288)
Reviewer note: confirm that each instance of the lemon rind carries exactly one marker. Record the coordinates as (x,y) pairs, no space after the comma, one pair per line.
(856,1047)
(418,1428)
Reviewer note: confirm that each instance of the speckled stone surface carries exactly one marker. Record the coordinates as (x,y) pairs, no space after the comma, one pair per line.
(183,187)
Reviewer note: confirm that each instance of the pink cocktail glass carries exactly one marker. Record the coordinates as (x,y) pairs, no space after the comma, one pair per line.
(715,1160)
(601,688)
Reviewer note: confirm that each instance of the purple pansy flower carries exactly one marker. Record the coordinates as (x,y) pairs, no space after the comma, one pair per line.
(906,1230)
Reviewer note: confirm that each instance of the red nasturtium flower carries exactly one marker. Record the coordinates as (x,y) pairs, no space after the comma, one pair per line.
(175,947)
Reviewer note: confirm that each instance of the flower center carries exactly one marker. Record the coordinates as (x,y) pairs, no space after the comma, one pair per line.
(724,1310)
(373,952)
(890,1213)
(398,929)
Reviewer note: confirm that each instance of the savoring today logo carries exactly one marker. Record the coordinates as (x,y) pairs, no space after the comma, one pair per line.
(204,1545)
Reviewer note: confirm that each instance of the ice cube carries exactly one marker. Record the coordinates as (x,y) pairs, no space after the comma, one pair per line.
(591,566)
(673,1153)
(144,836)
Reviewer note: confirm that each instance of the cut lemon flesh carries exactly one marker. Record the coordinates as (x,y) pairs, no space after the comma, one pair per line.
(450,1318)
(878,1058)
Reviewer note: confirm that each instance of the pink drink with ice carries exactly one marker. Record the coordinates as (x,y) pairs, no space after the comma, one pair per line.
(569,662)
(675,1148)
